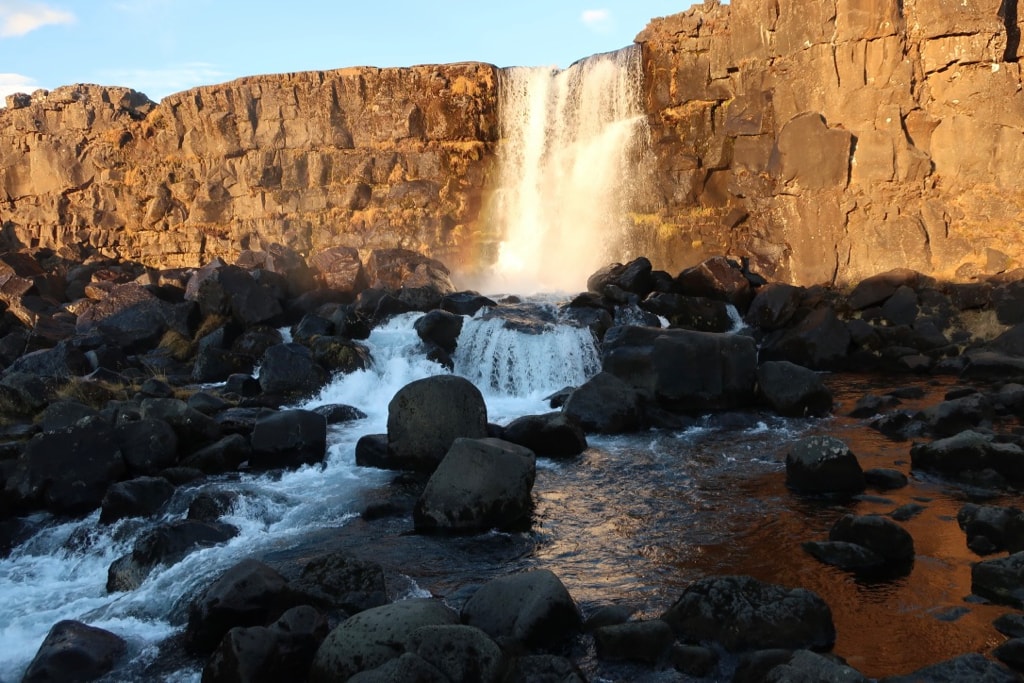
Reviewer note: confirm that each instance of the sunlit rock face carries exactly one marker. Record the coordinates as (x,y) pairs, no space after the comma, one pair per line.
(831,140)
(824,140)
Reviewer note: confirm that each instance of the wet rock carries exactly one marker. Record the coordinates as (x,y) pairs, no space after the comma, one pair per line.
(792,390)
(742,613)
(845,555)
(461,653)
(969,667)
(753,667)
(340,355)
(683,370)
(223,455)
(993,366)
(1011,653)
(440,328)
(340,581)
(426,416)
(640,641)
(206,403)
(823,464)
(372,451)
(693,660)
(1000,580)
(290,369)
(604,404)
(952,417)
(248,594)
(884,479)
(554,435)
(609,615)
(465,303)
(209,506)
(165,544)
(544,668)
(480,484)
(882,536)
(716,278)
(67,472)
(634,277)
(282,651)
(990,529)
(690,312)
(533,609)
(310,327)
(375,636)
(192,428)
(969,453)
(243,385)
(139,497)
(805,665)
(289,438)
(1010,625)
(871,405)
(336,413)
(73,651)
(405,667)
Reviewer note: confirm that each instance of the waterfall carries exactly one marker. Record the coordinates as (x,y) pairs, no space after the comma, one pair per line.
(570,141)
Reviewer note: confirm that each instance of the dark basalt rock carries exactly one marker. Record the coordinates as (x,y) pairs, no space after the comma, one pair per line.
(805,665)
(166,544)
(337,354)
(193,428)
(882,536)
(884,479)
(774,306)
(544,668)
(461,653)
(605,404)
(640,641)
(426,416)
(289,438)
(554,435)
(820,341)
(717,278)
(690,312)
(223,455)
(1000,580)
(374,637)
(291,369)
(440,328)
(465,303)
(845,555)
(140,497)
(969,667)
(969,453)
(533,609)
(248,594)
(991,529)
(792,390)
(634,277)
(823,464)
(340,581)
(73,651)
(741,613)
(693,660)
(336,413)
(480,484)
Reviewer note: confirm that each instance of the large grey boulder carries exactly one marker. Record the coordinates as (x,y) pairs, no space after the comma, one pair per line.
(532,609)
(371,638)
(480,484)
(426,416)
(683,370)
(742,613)
(823,464)
(462,653)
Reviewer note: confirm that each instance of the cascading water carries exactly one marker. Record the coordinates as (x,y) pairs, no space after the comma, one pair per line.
(568,161)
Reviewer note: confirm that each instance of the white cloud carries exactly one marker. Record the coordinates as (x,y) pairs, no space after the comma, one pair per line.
(18,18)
(12,83)
(158,83)
(598,20)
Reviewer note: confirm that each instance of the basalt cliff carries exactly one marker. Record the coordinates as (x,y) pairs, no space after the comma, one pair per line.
(823,140)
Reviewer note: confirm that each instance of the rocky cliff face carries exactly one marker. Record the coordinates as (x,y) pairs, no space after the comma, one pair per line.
(826,140)
(832,139)
(359,157)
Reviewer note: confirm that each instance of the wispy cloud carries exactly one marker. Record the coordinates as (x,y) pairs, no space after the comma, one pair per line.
(12,83)
(158,83)
(18,17)
(597,20)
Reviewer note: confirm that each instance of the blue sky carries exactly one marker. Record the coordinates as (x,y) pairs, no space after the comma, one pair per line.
(163,46)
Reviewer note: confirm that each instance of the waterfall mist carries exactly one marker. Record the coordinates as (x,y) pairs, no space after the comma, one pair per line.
(568,160)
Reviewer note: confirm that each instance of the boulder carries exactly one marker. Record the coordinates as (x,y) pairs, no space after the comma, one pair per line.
(956,415)
(693,660)
(1000,580)
(969,667)
(820,341)
(372,451)
(884,479)
(131,318)
(248,594)
(66,472)
(553,435)
(968,452)
(73,651)
(224,455)
(993,366)
(792,390)
(774,306)
(805,665)
(541,667)
(340,269)
(425,418)
(60,362)
(639,641)
(375,636)
(882,536)
(1011,653)
(461,653)
(605,404)
(465,303)
(742,613)
(683,370)
(634,277)
(876,289)
(823,464)
(63,414)
(193,428)
(716,278)
(165,544)
(480,484)
(289,438)
(845,555)
(533,609)
(991,529)
(139,497)
(340,355)
(440,328)
(282,651)
(310,327)
(290,369)
(340,581)
(690,312)
(405,667)
(220,289)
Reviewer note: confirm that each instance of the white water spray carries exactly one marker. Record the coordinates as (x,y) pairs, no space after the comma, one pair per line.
(568,160)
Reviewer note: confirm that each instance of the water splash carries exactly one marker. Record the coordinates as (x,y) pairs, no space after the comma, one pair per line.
(568,159)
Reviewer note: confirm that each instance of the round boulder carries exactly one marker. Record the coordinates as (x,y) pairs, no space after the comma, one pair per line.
(882,536)
(289,438)
(554,435)
(605,404)
(73,651)
(793,390)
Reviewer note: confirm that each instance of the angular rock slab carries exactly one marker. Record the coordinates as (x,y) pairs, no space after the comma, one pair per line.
(793,390)
(742,613)
(533,608)
(371,638)
(480,484)
(1000,580)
